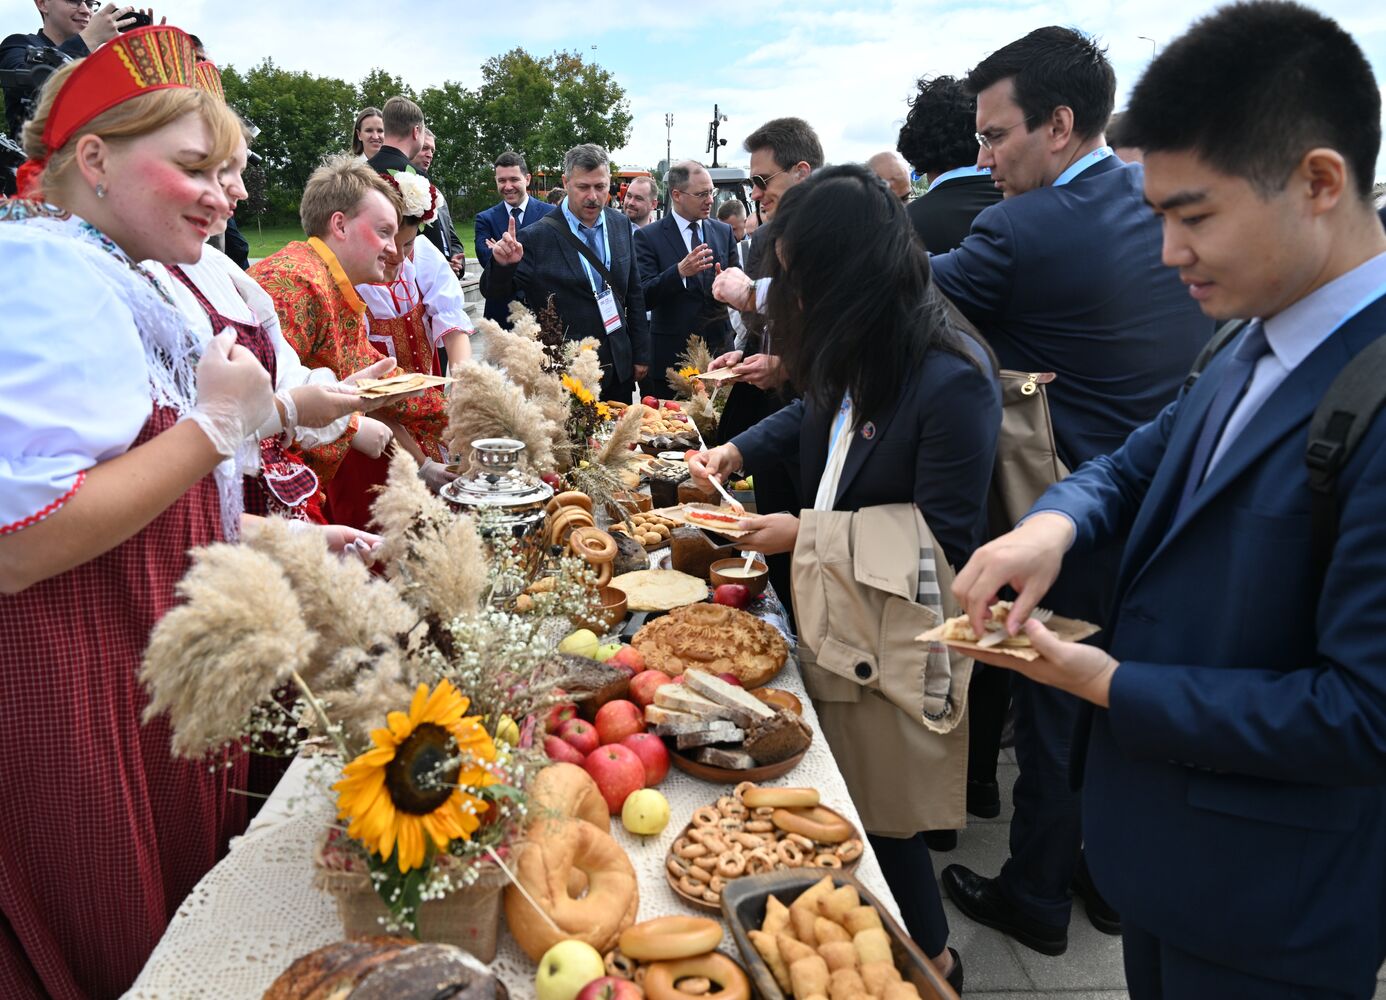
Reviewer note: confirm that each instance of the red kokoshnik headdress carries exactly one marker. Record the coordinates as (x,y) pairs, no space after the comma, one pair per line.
(137,62)
(208,78)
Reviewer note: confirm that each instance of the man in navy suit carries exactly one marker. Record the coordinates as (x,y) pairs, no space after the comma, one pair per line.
(1063,276)
(512,181)
(1235,779)
(678,256)
(603,302)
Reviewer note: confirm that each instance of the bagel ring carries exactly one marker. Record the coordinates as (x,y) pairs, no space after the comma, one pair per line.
(687,849)
(706,817)
(781,798)
(760,861)
(817,823)
(592,544)
(826,860)
(569,498)
(543,864)
(691,887)
(790,853)
(850,850)
(739,792)
(731,866)
(566,790)
(726,975)
(666,939)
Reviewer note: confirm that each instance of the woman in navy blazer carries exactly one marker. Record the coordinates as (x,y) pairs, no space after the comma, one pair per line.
(856,316)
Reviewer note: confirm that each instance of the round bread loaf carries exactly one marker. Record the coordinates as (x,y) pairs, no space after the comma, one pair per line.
(715,639)
(376,968)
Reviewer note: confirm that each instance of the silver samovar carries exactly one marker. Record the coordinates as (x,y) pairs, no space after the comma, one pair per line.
(509,503)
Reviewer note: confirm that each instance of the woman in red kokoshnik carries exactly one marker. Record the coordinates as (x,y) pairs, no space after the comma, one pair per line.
(113,419)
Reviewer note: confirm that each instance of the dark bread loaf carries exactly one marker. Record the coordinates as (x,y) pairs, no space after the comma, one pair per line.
(334,968)
(387,968)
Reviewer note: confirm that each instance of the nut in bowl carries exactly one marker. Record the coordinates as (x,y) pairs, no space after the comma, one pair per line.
(725,571)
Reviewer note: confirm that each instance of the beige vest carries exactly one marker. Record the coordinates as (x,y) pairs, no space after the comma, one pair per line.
(893,714)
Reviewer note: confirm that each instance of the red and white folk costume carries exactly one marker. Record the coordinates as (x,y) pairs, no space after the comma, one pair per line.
(102,831)
(410,316)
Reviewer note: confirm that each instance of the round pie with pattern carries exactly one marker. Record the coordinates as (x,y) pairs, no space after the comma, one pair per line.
(715,639)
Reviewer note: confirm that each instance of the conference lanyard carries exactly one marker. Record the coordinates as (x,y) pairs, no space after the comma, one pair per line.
(593,277)
(1096,156)
(948,175)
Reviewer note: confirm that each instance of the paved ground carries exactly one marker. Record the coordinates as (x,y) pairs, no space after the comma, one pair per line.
(997,968)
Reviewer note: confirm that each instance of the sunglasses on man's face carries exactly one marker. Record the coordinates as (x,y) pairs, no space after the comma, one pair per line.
(762,181)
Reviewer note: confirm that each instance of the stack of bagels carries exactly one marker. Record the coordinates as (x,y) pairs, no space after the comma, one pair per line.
(568,848)
(676,958)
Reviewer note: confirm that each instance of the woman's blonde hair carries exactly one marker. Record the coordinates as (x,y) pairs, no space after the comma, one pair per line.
(338,186)
(129,120)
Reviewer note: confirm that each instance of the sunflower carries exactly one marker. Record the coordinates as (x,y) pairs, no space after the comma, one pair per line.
(690,371)
(409,786)
(603,411)
(575,386)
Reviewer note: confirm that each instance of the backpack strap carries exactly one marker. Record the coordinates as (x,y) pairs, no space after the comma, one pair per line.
(1221,337)
(1339,422)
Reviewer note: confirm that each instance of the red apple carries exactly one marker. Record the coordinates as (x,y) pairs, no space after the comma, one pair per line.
(651,402)
(653,754)
(625,668)
(628,656)
(580,734)
(617,772)
(558,749)
(671,405)
(730,679)
(643,685)
(733,595)
(611,988)
(559,713)
(552,479)
(618,719)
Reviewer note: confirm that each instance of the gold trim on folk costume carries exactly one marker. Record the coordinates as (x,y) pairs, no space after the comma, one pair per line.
(334,268)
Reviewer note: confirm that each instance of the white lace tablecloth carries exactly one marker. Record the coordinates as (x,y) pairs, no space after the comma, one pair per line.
(257,910)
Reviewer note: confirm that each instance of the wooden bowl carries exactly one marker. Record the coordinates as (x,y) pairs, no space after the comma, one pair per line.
(755,583)
(699,903)
(743,908)
(613,611)
(780,698)
(728,775)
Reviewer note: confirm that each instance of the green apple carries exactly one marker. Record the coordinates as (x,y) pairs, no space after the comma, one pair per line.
(607,651)
(583,642)
(565,969)
(645,813)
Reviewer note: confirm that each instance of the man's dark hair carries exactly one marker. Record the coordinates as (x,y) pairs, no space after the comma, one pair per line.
(1252,87)
(1053,67)
(729,208)
(679,174)
(401,116)
(510,158)
(790,140)
(940,131)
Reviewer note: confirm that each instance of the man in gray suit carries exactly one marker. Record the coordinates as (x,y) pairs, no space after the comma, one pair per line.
(583,256)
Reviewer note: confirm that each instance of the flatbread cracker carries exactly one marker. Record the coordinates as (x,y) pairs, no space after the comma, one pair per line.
(957,633)
(659,589)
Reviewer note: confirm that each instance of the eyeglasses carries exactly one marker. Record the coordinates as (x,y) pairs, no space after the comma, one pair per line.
(990,138)
(88,4)
(762,181)
(698,195)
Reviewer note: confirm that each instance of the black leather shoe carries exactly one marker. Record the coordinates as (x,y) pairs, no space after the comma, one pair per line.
(955,977)
(980,899)
(1100,912)
(941,840)
(983,799)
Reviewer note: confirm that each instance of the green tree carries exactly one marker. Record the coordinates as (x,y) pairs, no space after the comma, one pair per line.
(451,113)
(379,86)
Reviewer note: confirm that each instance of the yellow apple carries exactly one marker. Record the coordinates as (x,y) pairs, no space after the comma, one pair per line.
(645,813)
(607,651)
(565,969)
(583,642)
(508,731)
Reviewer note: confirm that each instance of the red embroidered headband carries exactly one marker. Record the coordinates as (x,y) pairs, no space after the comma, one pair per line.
(208,78)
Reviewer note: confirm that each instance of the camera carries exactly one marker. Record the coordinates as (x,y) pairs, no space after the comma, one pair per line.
(136,20)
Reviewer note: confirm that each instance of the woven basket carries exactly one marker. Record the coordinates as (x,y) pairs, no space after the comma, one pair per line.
(469,918)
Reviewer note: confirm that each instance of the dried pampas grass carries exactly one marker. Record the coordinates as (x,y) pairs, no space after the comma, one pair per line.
(486,405)
(586,365)
(616,452)
(700,410)
(522,359)
(696,355)
(403,506)
(446,570)
(213,659)
(368,687)
(339,598)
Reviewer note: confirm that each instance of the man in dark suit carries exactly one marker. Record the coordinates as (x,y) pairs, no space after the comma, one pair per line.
(545,260)
(678,256)
(512,181)
(442,234)
(1063,275)
(1234,785)
(404,128)
(939,140)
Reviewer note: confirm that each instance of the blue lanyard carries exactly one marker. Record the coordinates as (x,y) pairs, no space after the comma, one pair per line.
(593,277)
(838,421)
(1096,156)
(948,175)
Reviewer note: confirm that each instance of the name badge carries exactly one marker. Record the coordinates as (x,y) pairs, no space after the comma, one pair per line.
(611,316)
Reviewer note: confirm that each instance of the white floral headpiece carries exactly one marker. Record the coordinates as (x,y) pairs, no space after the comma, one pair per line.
(420,197)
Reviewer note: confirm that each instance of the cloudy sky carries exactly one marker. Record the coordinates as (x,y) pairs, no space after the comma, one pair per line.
(846,66)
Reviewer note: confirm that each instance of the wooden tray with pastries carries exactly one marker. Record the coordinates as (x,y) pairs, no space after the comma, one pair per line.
(651,530)
(803,933)
(753,831)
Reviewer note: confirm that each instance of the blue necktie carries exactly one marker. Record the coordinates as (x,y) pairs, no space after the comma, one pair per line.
(589,236)
(515,214)
(1250,348)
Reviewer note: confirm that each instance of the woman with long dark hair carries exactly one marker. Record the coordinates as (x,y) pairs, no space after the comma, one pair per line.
(367,133)
(896,424)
